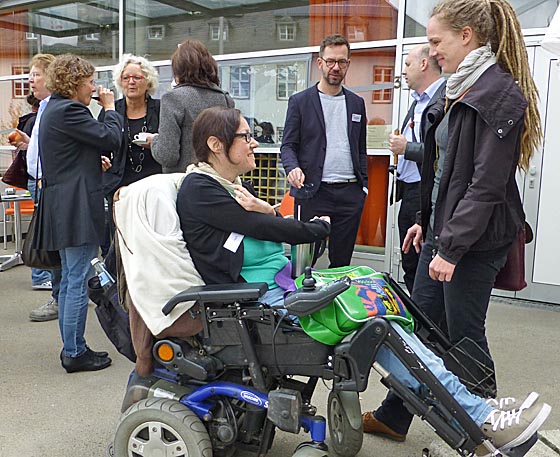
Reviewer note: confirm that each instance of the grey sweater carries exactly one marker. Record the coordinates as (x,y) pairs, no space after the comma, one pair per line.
(172,148)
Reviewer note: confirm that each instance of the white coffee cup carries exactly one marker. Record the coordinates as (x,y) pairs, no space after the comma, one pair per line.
(142,136)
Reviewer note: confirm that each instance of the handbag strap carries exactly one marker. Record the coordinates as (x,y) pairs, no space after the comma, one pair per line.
(35,199)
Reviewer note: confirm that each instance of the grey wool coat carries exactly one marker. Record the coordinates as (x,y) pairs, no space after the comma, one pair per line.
(172,148)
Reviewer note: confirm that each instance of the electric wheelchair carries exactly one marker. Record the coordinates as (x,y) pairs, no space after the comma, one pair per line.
(252,370)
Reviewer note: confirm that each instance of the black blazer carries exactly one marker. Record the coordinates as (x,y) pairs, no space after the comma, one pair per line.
(304,142)
(71,210)
(209,214)
(113,177)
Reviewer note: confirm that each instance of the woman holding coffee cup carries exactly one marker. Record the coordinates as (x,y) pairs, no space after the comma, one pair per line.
(137,78)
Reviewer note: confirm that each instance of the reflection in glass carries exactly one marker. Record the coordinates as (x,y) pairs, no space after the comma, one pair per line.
(531,14)
(233,26)
(370,74)
(87,28)
(261,91)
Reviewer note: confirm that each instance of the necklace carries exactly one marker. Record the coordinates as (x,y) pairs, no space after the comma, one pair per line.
(136,168)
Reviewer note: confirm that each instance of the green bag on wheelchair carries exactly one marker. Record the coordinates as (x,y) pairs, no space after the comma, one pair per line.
(368,297)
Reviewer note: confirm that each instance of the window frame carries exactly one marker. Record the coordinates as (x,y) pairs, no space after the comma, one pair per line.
(151,28)
(216,28)
(286,82)
(286,27)
(382,96)
(239,82)
(20,87)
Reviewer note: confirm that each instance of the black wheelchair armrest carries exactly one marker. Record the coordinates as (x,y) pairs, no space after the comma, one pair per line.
(304,302)
(218,294)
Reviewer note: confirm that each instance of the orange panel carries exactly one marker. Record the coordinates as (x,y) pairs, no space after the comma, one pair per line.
(373,226)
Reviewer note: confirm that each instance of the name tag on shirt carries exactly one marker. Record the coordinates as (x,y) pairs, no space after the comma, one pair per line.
(356,117)
(233,241)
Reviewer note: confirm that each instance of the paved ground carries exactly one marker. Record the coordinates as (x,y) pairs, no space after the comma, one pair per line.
(48,413)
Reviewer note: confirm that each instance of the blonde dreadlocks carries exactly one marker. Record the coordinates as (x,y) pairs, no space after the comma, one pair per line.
(495,22)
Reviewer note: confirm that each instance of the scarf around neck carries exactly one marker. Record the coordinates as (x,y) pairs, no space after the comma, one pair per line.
(470,69)
(204,168)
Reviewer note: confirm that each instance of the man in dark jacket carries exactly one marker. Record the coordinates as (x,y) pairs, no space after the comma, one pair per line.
(324,150)
(423,77)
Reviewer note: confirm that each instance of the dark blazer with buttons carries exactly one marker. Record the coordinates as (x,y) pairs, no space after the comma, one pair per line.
(304,142)
(71,210)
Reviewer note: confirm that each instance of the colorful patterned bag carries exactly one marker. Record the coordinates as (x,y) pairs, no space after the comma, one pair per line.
(368,297)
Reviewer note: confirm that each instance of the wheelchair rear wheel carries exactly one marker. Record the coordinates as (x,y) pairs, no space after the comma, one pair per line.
(345,423)
(156,426)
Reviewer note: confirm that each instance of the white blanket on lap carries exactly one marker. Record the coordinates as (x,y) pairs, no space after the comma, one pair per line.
(154,254)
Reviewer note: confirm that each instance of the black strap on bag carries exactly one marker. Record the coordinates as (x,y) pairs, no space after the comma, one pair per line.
(41,259)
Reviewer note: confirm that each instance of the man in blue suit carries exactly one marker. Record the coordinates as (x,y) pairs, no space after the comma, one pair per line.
(324,150)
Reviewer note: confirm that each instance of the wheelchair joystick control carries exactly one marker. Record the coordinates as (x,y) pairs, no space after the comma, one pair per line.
(308,282)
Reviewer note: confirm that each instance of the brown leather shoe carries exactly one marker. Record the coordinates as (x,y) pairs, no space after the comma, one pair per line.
(372,425)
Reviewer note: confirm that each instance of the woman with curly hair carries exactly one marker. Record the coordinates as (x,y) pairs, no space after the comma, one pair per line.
(71,209)
(198,87)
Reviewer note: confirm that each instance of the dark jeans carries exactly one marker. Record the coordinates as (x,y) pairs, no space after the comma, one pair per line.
(344,204)
(410,205)
(459,307)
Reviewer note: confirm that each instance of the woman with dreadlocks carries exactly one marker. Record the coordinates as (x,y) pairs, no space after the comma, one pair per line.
(486,127)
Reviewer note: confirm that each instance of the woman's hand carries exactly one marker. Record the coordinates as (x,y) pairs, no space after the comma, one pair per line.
(105,163)
(414,237)
(149,138)
(250,202)
(441,270)
(106,98)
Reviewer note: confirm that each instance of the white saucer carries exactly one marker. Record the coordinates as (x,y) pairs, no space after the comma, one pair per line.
(140,142)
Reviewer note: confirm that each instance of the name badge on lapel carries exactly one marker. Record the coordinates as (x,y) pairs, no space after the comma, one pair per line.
(356,117)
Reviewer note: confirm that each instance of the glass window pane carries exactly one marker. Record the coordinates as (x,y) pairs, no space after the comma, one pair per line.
(232,26)
(261,91)
(370,75)
(87,28)
(531,14)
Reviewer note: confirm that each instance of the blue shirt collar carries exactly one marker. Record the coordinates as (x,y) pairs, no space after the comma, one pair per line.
(429,92)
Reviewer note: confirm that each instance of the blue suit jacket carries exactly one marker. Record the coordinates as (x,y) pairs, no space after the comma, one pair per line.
(304,142)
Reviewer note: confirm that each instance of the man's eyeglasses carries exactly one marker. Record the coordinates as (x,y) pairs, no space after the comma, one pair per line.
(247,136)
(330,63)
(136,78)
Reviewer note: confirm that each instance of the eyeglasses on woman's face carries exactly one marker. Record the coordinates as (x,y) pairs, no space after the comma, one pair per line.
(246,135)
(135,78)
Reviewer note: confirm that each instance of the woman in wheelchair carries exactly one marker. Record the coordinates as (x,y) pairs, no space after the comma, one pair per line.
(233,236)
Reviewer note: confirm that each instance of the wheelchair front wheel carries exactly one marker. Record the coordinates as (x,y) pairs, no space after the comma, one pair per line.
(156,426)
(345,423)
